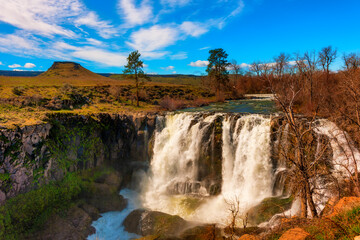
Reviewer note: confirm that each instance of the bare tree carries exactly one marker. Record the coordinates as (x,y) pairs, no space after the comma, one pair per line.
(281,65)
(351,61)
(327,56)
(304,165)
(307,67)
(236,213)
(235,70)
(256,67)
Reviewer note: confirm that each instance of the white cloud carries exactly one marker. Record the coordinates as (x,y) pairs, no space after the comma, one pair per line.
(40,16)
(64,46)
(145,65)
(135,15)
(199,63)
(174,72)
(14,66)
(168,68)
(91,19)
(18,70)
(179,56)
(100,56)
(153,38)
(1,63)
(13,42)
(94,42)
(29,65)
(194,29)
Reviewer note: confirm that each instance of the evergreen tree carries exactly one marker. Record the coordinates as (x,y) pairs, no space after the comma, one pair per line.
(217,68)
(133,69)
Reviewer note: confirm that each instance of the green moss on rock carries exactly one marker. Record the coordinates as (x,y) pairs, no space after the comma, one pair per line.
(264,211)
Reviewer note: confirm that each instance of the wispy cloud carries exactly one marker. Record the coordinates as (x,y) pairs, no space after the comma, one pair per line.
(194,29)
(135,15)
(179,56)
(199,63)
(154,38)
(40,16)
(222,21)
(68,30)
(175,3)
(91,20)
(18,45)
(100,56)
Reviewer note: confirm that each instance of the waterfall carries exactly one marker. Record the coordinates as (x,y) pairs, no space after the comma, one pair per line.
(174,181)
(179,141)
(247,169)
(346,156)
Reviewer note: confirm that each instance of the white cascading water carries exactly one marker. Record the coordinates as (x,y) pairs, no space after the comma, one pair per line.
(345,155)
(174,166)
(246,171)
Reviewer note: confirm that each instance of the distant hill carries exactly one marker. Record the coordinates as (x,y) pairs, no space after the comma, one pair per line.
(69,70)
(20,73)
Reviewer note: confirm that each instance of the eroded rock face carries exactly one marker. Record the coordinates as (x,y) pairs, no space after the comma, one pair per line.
(34,155)
(144,222)
(22,151)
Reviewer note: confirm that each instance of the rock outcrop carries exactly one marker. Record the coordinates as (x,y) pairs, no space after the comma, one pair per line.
(295,234)
(144,222)
(34,155)
(343,205)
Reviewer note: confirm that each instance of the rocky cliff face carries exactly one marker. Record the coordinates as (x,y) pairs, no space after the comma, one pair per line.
(34,155)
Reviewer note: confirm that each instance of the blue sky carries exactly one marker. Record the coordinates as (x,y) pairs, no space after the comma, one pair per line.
(173,36)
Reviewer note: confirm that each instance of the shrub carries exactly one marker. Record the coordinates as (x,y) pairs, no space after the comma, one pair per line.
(172,104)
(26,211)
(18,91)
(116,92)
(199,102)
(143,96)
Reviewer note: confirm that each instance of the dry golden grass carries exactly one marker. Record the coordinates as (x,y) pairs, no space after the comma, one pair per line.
(11,117)
(75,81)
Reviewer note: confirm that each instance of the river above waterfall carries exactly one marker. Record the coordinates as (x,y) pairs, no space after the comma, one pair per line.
(255,104)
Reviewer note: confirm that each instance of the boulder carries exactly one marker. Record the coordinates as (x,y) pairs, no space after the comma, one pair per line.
(249,237)
(203,232)
(144,222)
(345,204)
(295,234)
(76,225)
(265,210)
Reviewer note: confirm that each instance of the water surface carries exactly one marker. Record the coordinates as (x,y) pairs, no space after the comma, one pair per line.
(253,106)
